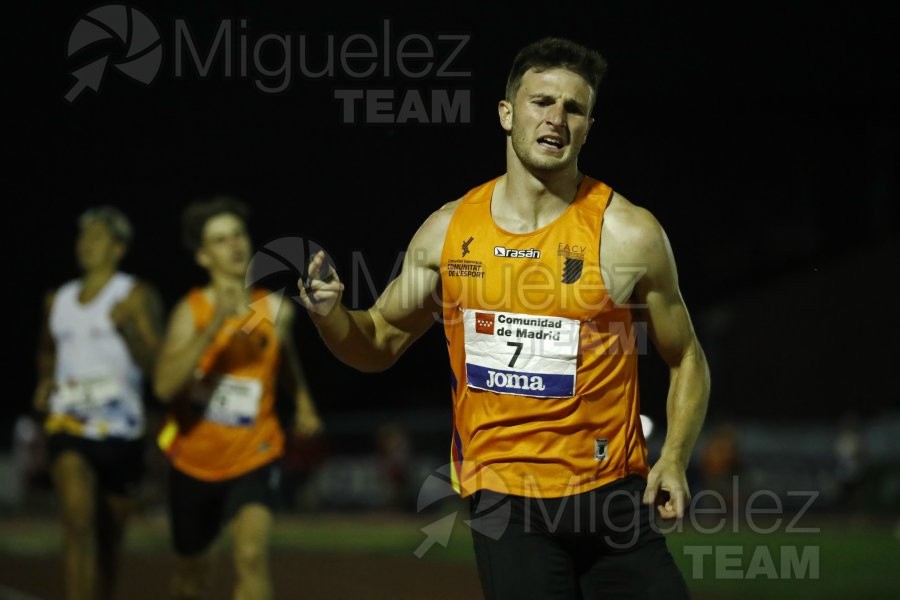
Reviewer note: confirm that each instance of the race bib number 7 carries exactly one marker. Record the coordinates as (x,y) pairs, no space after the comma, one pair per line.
(526,355)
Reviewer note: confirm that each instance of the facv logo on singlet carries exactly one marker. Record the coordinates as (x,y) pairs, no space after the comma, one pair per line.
(516,253)
(574,261)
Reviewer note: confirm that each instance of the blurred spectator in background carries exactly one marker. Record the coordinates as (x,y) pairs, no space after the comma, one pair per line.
(30,459)
(395,463)
(849,450)
(303,454)
(720,462)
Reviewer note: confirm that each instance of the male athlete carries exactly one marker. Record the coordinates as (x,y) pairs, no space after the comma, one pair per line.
(218,369)
(539,277)
(100,339)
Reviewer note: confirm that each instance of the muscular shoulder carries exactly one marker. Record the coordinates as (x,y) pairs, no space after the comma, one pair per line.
(182,313)
(141,286)
(428,242)
(438,221)
(143,291)
(49,300)
(631,230)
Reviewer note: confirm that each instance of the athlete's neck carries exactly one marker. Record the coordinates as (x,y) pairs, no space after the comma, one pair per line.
(224,283)
(525,201)
(94,280)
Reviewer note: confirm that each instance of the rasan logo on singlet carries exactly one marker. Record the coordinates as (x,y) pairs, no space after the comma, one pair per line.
(516,253)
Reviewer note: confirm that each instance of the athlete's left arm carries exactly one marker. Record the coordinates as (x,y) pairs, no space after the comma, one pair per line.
(672,333)
(46,360)
(307,422)
(139,319)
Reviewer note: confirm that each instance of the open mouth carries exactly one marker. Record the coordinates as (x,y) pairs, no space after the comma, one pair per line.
(552,142)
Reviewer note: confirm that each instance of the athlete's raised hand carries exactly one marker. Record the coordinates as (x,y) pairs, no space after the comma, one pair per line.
(322,289)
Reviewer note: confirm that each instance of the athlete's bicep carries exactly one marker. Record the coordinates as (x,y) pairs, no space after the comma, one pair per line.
(46,355)
(407,308)
(179,332)
(669,323)
(150,304)
(411,302)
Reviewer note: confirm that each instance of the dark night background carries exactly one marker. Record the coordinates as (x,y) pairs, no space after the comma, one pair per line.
(763,139)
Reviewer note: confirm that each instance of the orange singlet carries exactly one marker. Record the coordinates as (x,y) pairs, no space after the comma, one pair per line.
(544,364)
(239,430)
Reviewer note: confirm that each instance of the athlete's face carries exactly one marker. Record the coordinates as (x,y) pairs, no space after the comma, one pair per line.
(226,246)
(549,119)
(97,248)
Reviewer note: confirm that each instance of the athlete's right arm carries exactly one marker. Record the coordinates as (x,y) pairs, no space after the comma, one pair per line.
(46,360)
(372,340)
(181,351)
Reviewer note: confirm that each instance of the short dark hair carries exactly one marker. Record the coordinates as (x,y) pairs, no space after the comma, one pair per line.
(554,52)
(197,213)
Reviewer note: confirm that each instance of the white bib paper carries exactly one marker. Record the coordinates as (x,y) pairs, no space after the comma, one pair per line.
(234,401)
(526,355)
(88,393)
